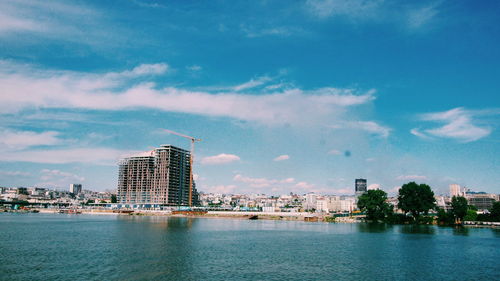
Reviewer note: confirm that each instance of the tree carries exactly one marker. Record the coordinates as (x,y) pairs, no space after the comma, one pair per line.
(459,208)
(471,215)
(495,211)
(113,198)
(416,199)
(373,203)
(444,217)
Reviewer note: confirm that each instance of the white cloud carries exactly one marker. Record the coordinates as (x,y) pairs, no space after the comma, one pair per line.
(222,189)
(356,9)
(360,11)
(419,17)
(280,31)
(23,86)
(262,182)
(373,186)
(102,156)
(15,140)
(252,83)
(194,68)
(458,125)
(334,152)
(58,178)
(411,177)
(222,158)
(55,20)
(281,158)
(15,173)
(304,185)
(371,127)
(148,69)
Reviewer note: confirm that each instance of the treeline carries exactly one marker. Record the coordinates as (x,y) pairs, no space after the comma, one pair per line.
(416,200)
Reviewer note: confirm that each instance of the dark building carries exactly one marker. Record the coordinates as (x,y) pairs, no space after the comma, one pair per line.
(160,178)
(360,186)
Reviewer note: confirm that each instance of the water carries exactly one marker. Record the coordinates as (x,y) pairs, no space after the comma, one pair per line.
(93,247)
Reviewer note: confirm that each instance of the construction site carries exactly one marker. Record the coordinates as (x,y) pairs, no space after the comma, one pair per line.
(164,177)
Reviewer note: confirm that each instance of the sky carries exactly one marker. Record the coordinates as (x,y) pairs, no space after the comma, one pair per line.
(287,96)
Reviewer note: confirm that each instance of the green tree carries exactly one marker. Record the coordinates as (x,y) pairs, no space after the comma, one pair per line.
(113,198)
(416,199)
(373,203)
(459,208)
(471,215)
(495,211)
(444,217)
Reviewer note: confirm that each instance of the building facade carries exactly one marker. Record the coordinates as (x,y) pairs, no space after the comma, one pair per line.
(75,188)
(160,178)
(360,186)
(456,190)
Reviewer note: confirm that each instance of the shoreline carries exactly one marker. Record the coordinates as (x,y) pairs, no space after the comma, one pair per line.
(278,216)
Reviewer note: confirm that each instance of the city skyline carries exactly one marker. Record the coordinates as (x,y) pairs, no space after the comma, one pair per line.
(297,97)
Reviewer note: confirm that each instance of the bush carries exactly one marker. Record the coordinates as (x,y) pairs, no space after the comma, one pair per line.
(470,216)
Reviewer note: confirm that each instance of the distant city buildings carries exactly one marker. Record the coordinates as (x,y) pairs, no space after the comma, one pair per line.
(455,190)
(161,178)
(360,186)
(75,188)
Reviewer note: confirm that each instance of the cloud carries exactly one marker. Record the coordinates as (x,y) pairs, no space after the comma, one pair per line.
(281,158)
(411,177)
(15,173)
(148,69)
(334,152)
(280,31)
(371,127)
(58,178)
(100,156)
(304,185)
(24,86)
(458,125)
(373,186)
(262,182)
(222,189)
(252,83)
(220,159)
(56,20)
(361,11)
(421,16)
(355,9)
(194,68)
(16,140)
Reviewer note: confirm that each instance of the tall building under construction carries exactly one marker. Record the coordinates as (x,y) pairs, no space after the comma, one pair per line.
(160,178)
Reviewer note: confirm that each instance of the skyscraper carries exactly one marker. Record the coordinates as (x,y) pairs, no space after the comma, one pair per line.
(455,190)
(75,188)
(360,186)
(161,178)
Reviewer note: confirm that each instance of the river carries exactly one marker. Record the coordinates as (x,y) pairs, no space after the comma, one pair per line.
(111,247)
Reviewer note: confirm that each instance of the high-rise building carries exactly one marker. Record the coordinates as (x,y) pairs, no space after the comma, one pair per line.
(455,190)
(161,178)
(360,186)
(75,188)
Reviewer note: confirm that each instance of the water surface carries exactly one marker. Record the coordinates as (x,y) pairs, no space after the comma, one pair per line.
(101,247)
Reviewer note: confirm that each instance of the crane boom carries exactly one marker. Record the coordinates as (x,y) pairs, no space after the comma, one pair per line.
(191,161)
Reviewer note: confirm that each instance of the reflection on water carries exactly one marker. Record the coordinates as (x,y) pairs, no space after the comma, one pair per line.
(418,229)
(374,227)
(461,230)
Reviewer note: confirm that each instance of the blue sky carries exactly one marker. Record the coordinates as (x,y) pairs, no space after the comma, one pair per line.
(288,96)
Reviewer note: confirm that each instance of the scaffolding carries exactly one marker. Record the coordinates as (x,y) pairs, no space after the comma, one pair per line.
(162,178)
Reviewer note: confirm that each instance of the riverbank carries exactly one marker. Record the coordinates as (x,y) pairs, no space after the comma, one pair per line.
(285,216)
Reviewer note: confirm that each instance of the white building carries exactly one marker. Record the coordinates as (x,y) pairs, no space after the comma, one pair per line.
(455,190)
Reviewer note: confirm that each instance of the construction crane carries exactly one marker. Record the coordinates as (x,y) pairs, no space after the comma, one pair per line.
(191,160)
